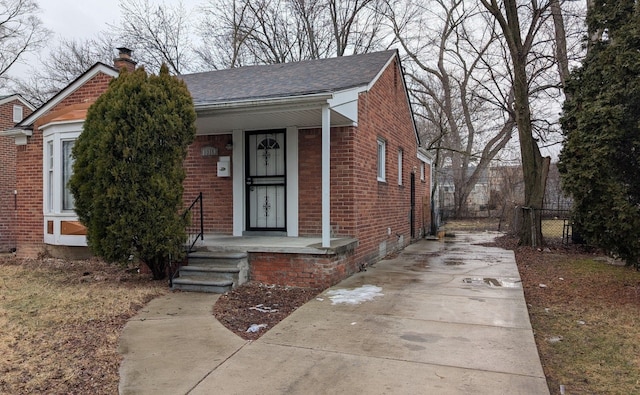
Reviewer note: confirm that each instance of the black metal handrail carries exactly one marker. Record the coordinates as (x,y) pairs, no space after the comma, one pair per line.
(198,232)
(193,234)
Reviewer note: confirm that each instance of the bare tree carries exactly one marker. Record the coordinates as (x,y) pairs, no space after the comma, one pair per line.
(535,167)
(506,190)
(356,25)
(562,57)
(454,80)
(236,33)
(158,33)
(467,86)
(223,33)
(64,63)
(21,31)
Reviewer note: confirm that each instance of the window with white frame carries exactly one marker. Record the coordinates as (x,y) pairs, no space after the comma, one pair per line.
(17,113)
(61,224)
(400,166)
(49,174)
(382,148)
(68,202)
(58,167)
(421,171)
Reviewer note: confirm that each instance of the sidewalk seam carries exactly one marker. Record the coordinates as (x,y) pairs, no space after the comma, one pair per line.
(407,361)
(216,367)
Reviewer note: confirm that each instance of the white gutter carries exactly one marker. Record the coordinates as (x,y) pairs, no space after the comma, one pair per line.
(250,103)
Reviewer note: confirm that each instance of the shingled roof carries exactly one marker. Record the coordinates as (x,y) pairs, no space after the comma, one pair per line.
(286,79)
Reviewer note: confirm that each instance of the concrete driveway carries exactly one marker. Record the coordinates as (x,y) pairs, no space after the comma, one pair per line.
(440,318)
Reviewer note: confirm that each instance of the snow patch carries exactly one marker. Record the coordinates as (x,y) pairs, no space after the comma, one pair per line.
(354,296)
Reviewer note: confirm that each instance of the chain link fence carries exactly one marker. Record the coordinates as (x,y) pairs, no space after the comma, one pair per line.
(556,224)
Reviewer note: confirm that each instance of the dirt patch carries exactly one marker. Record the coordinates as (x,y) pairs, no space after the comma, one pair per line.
(474,225)
(259,305)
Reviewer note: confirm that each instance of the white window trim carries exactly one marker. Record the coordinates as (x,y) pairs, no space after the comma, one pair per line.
(53,135)
(422,166)
(381,160)
(400,155)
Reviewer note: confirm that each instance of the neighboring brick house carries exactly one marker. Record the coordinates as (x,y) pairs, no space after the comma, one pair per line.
(323,148)
(13,109)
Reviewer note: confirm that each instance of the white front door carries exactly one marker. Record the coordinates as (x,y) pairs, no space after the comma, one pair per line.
(265,180)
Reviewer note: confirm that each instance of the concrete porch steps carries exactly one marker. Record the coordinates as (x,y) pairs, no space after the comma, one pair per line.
(212,272)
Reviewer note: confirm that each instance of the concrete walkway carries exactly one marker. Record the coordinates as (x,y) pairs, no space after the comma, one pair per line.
(443,318)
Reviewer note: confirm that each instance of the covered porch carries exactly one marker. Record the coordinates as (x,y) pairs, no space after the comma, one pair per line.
(263,143)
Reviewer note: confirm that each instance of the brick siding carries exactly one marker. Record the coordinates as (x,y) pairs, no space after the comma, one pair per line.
(361,206)
(300,270)
(30,228)
(217,192)
(8,152)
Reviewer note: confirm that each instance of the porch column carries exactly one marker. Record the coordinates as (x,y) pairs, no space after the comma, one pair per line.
(237,158)
(326,173)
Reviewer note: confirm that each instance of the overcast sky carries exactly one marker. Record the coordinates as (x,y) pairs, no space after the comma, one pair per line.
(84,18)
(81,19)
(77,19)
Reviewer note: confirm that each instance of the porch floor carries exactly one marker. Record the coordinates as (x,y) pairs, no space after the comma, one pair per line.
(275,244)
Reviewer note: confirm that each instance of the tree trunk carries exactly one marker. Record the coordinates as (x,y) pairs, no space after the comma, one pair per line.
(561,44)
(534,167)
(158,267)
(460,195)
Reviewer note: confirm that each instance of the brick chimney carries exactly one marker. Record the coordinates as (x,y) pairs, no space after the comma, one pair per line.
(124,61)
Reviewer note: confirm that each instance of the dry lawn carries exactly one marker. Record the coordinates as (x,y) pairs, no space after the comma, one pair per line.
(473,225)
(552,228)
(60,322)
(586,319)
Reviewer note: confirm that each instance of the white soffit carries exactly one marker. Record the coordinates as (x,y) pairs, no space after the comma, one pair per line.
(301,112)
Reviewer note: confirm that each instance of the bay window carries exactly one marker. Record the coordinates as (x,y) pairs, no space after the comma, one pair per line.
(61,226)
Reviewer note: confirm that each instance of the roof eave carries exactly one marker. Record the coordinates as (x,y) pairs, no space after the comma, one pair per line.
(70,88)
(20,135)
(263,102)
(17,96)
(424,155)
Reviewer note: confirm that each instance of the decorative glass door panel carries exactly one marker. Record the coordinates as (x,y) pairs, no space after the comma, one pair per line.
(265,181)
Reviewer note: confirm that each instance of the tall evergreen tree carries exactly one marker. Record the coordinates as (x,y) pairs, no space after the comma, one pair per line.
(600,160)
(128,172)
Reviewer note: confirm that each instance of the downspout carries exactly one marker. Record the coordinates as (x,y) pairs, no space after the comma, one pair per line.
(326,174)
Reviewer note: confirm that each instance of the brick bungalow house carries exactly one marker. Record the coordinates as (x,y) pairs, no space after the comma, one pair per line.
(13,109)
(314,167)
